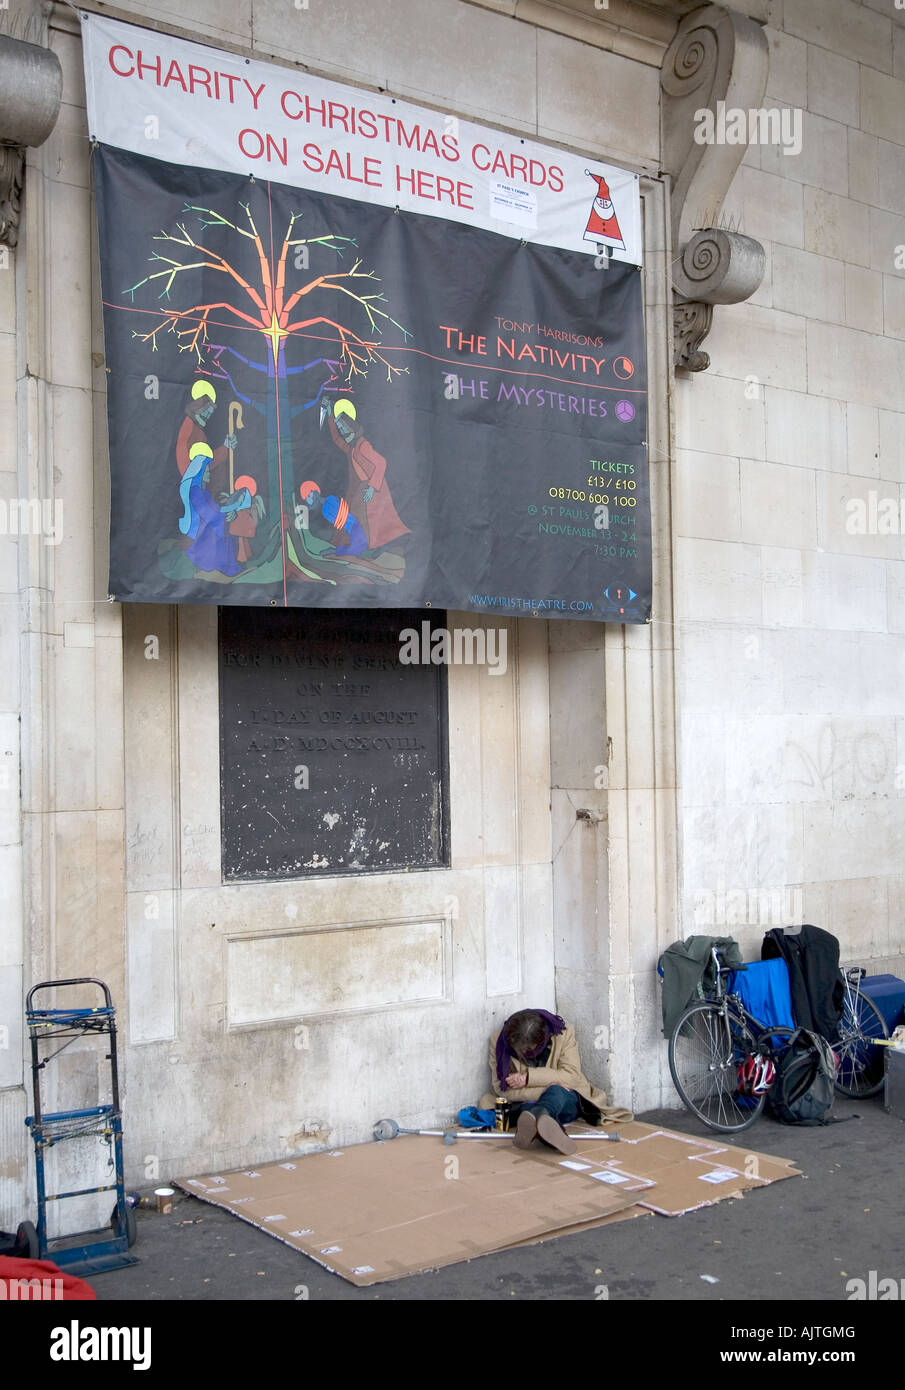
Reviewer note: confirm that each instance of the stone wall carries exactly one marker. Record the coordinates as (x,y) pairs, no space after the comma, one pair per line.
(785,717)
(119,796)
(792,627)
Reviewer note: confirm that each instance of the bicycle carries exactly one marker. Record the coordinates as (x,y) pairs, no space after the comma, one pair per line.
(861,1067)
(715,1037)
(709,1047)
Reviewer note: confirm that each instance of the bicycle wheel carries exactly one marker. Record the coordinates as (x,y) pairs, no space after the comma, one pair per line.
(706,1049)
(860,1070)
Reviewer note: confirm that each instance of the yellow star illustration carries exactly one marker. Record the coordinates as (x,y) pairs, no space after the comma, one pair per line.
(275,333)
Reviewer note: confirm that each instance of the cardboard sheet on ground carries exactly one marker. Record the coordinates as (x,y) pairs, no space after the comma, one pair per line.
(380,1211)
(374,1212)
(686,1172)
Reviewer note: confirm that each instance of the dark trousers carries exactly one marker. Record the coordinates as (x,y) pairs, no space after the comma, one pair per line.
(557,1101)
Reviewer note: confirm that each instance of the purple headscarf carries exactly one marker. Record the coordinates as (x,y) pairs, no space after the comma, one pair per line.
(554,1025)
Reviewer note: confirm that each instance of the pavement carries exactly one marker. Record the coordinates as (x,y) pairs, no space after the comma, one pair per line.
(801,1239)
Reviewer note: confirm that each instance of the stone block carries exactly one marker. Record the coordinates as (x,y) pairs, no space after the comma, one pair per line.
(750,342)
(67,284)
(844,592)
(215,19)
(863,299)
(778,504)
(68,48)
(890,176)
(782,597)
(832,86)
(805,431)
(503,943)
(834,674)
(848,515)
(836,227)
(580,882)
(887,242)
(822,161)
(854,366)
(725,579)
(809,285)
(75,772)
(66,154)
(883,105)
(731,667)
(859,839)
(892,445)
(707,496)
(895,596)
(585,94)
(863,171)
(787,80)
(715,416)
(467,60)
(893,306)
(72,501)
(12,1051)
(703,749)
(863,440)
(198,747)
(770,206)
(577,697)
(842,27)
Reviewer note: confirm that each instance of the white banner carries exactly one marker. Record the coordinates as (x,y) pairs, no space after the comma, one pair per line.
(186,103)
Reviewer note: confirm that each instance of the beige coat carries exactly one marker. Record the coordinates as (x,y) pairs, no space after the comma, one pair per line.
(563,1069)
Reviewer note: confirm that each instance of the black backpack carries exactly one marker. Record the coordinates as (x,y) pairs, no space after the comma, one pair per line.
(803,1091)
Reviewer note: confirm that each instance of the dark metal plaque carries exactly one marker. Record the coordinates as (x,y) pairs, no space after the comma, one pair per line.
(333,754)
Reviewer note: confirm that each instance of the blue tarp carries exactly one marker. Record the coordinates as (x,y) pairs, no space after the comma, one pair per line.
(763,987)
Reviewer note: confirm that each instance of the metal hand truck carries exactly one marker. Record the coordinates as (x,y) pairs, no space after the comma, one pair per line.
(102,1251)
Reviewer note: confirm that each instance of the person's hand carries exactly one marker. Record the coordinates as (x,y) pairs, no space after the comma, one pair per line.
(516,1080)
(230,516)
(231,441)
(368,494)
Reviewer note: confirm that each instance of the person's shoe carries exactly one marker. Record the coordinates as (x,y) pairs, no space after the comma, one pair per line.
(525,1130)
(553,1134)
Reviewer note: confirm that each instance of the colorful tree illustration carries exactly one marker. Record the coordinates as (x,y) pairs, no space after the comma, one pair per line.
(268,307)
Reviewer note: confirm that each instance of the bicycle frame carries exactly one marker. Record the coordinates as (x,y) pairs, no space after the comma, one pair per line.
(726,999)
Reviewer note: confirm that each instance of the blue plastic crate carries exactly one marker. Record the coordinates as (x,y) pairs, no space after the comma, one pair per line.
(888,993)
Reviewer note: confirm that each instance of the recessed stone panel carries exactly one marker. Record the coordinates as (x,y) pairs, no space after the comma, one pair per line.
(334,971)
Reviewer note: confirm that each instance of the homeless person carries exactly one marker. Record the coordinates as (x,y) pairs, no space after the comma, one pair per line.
(534,1063)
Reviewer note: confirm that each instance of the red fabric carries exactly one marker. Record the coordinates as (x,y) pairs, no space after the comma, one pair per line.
(73,1288)
(367,468)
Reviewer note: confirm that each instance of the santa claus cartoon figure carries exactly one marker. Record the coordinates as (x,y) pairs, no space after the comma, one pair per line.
(603,228)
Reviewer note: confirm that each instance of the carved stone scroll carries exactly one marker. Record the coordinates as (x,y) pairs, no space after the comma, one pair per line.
(716,56)
(31,86)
